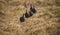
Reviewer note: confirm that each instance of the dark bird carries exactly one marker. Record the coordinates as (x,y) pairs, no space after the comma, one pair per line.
(30,13)
(32,9)
(27,15)
(22,19)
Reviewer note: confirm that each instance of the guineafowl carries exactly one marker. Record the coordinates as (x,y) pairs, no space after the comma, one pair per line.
(27,15)
(22,19)
(32,9)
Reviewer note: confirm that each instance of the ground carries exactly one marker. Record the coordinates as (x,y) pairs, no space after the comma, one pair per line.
(46,21)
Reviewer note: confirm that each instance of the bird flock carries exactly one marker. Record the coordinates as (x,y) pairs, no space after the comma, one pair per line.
(28,14)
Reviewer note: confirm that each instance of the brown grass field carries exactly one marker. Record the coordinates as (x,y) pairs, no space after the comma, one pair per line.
(46,21)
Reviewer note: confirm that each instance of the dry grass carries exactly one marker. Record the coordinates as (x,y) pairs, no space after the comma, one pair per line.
(45,22)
